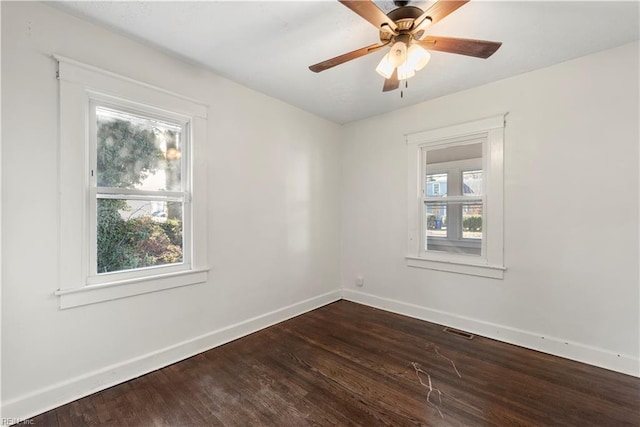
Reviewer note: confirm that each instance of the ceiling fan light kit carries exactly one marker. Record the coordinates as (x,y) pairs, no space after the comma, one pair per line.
(404,30)
(406,60)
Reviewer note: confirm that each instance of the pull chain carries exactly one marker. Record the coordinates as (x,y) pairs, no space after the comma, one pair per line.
(406,86)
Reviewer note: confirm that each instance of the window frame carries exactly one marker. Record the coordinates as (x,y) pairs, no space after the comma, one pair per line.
(82,88)
(491,261)
(97,100)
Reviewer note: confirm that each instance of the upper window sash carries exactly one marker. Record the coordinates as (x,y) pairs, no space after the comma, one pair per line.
(97,100)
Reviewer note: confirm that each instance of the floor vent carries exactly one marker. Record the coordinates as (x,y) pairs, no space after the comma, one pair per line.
(459,333)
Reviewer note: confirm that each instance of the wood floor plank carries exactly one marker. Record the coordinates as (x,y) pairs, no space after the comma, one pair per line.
(350,365)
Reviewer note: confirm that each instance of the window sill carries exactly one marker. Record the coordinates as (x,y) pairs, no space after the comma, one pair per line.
(482,270)
(86,295)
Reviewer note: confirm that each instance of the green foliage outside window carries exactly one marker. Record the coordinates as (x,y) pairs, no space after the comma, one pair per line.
(127,154)
(472,223)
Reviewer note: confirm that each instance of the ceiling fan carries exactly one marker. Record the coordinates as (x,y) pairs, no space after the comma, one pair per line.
(404,30)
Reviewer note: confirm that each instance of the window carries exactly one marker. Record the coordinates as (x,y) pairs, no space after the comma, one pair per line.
(455,199)
(138,194)
(128,225)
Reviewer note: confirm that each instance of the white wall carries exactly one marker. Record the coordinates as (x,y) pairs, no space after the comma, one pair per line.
(571,212)
(273,196)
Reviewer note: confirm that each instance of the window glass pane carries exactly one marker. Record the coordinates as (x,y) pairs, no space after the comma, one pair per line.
(472,183)
(138,233)
(454,153)
(436,185)
(137,152)
(453,227)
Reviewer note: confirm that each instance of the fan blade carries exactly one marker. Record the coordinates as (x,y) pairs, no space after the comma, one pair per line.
(392,82)
(435,13)
(324,65)
(469,47)
(369,11)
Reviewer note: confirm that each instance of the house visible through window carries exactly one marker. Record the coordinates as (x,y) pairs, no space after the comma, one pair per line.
(455,200)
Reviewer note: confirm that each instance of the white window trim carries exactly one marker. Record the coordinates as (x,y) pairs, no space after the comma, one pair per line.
(81,84)
(491,263)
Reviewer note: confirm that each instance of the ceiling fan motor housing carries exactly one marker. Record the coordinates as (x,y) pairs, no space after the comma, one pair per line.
(404,18)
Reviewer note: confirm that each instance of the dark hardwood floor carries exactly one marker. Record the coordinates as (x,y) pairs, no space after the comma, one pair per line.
(348,364)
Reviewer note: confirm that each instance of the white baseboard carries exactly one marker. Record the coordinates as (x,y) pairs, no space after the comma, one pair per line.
(547,344)
(32,404)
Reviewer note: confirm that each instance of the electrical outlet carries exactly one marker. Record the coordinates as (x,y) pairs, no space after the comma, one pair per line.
(359,281)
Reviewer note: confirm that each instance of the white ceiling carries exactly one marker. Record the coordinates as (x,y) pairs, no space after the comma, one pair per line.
(268,45)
